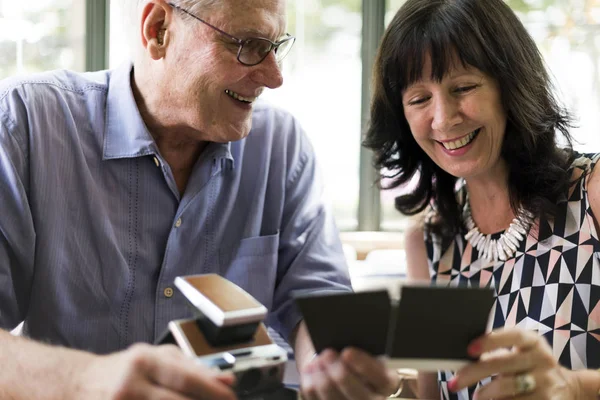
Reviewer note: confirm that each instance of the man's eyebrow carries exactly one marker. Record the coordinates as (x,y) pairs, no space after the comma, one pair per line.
(249,32)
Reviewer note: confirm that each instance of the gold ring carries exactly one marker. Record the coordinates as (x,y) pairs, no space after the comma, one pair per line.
(524,383)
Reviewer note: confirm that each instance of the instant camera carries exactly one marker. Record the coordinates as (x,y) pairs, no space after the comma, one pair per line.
(227,334)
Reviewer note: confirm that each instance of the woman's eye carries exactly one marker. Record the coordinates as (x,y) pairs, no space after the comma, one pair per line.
(464,89)
(417,101)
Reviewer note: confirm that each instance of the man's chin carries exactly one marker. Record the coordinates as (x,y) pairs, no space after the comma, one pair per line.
(225,131)
(238,132)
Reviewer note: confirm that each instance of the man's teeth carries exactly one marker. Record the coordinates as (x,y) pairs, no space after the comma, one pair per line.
(457,144)
(240,97)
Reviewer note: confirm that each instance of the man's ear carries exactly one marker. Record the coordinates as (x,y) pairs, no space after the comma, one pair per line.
(155,34)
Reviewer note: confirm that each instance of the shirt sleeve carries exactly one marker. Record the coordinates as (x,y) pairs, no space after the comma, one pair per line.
(17,234)
(310,251)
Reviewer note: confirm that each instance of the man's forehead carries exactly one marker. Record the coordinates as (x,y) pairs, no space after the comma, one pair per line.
(247,6)
(250,4)
(253,17)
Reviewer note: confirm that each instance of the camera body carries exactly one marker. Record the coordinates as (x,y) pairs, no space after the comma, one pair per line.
(227,334)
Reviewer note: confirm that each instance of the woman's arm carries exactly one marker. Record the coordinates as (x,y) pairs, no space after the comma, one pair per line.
(418,270)
(590,380)
(593,188)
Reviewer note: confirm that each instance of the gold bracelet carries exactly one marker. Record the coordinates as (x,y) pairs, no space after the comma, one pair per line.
(399,388)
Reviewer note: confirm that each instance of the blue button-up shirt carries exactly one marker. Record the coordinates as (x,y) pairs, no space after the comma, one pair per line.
(93,230)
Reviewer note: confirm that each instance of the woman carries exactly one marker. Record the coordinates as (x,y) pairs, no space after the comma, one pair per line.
(463,104)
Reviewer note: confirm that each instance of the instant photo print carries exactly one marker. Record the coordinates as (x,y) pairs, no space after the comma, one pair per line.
(227,334)
(428,329)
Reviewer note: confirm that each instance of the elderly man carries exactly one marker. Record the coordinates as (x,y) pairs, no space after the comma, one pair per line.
(113,183)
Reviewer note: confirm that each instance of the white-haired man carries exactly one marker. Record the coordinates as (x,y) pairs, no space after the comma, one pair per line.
(115,182)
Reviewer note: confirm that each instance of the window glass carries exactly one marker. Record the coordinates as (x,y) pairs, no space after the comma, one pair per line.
(565,32)
(118,37)
(39,35)
(322,87)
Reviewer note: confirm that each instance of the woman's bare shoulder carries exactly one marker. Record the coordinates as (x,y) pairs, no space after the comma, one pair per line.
(416,252)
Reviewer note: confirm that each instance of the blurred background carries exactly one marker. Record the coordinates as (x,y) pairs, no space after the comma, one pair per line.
(326,74)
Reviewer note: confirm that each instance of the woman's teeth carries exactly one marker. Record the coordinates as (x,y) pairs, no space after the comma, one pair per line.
(240,97)
(457,144)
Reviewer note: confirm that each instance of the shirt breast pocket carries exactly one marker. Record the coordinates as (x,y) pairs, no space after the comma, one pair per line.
(253,266)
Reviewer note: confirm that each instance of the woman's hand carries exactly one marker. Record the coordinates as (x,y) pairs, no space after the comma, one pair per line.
(528,370)
(352,374)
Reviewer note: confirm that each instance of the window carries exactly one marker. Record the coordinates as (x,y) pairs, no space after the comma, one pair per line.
(39,35)
(322,88)
(566,33)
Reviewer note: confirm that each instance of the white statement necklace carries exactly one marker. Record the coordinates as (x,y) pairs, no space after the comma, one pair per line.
(507,244)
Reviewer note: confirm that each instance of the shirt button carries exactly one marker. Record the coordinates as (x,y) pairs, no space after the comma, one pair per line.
(168,292)
(178,223)
(156,162)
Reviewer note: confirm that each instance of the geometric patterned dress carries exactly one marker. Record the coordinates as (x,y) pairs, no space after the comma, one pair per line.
(550,286)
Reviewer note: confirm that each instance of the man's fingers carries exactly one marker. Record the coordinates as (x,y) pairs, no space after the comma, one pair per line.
(346,382)
(331,378)
(318,386)
(159,393)
(371,370)
(198,383)
(181,375)
(308,386)
(326,389)
(227,378)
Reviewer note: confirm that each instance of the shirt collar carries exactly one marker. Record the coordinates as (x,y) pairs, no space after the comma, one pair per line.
(126,134)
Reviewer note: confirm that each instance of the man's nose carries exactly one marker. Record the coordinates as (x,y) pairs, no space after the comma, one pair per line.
(268,72)
(445,114)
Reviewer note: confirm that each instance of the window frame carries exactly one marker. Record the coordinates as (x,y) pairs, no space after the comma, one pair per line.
(97,21)
(369,201)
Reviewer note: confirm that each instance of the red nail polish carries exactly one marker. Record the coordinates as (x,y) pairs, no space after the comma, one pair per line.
(452,385)
(474,348)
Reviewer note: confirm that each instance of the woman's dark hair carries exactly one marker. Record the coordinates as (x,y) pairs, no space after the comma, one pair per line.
(487,35)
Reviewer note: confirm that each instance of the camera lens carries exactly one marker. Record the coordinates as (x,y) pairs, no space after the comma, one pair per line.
(248,380)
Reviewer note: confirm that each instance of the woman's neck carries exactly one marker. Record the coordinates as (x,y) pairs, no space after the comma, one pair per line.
(490,201)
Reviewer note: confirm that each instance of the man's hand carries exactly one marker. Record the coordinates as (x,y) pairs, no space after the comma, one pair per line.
(150,372)
(352,374)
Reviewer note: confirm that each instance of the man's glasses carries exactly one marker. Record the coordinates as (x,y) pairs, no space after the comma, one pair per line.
(253,50)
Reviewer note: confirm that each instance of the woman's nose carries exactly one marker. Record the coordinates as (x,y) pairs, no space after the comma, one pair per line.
(445,114)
